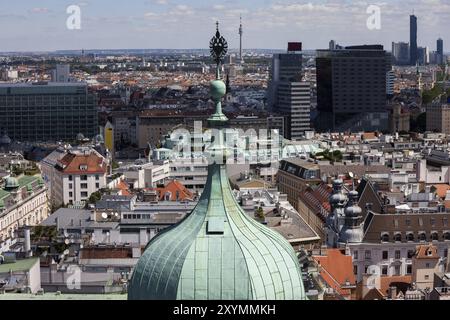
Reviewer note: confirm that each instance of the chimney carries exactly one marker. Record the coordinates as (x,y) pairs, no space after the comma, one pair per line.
(27,242)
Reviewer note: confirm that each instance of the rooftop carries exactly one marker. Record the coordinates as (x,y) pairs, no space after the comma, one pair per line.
(19,265)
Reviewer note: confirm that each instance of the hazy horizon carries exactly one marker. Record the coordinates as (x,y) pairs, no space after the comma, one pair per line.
(40,26)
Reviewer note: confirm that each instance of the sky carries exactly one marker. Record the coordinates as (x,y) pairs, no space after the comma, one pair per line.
(40,25)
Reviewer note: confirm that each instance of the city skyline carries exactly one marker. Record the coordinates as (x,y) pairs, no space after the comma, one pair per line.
(27,26)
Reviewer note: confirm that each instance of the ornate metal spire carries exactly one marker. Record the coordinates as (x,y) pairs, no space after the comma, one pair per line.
(218,48)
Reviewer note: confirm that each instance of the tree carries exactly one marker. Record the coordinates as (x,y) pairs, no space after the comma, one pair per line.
(96,196)
(259,213)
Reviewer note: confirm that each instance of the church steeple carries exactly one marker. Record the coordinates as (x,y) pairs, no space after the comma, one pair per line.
(218,252)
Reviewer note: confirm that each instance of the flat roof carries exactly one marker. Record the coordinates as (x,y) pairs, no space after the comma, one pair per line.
(41,84)
(54,296)
(19,265)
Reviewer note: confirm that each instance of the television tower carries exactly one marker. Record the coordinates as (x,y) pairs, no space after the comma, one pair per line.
(241,32)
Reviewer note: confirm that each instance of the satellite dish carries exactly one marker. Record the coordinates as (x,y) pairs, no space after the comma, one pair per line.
(116,214)
(104,215)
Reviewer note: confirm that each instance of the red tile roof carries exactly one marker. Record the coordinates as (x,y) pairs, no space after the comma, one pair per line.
(427,252)
(318,200)
(173,187)
(73,164)
(337,270)
(124,188)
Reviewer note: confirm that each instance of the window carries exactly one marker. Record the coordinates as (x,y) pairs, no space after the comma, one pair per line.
(410,237)
(427,277)
(410,254)
(397,270)
(83,178)
(83,186)
(70,194)
(385,238)
(70,186)
(384,271)
(434,236)
(70,178)
(97,177)
(84,194)
(423,237)
(385,255)
(368,255)
(355,255)
(398,254)
(398,237)
(97,185)
(355,270)
(408,269)
(447,236)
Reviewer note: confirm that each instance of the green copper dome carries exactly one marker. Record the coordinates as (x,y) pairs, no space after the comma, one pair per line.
(217,253)
(11,183)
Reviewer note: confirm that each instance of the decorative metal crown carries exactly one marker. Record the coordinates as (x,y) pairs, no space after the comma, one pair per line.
(218,46)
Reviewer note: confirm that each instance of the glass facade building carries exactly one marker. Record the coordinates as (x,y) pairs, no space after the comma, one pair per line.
(47,111)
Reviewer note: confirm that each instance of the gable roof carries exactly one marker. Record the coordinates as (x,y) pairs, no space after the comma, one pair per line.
(175,187)
(337,270)
(72,164)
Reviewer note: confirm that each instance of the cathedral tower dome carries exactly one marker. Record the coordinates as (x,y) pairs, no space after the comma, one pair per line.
(217,252)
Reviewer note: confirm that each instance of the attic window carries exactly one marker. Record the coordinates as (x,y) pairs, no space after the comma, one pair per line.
(216,225)
(83,167)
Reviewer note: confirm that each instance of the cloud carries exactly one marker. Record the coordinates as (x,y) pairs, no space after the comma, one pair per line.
(40,10)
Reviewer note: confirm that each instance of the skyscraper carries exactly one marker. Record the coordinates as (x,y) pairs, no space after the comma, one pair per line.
(440,51)
(289,94)
(413,40)
(400,53)
(351,88)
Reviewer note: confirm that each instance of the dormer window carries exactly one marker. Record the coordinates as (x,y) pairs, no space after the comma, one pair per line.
(83,167)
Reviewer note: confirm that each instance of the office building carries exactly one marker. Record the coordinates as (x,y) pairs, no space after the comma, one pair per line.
(289,94)
(61,74)
(47,111)
(351,88)
(400,53)
(423,55)
(440,51)
(413,40)
(438,117)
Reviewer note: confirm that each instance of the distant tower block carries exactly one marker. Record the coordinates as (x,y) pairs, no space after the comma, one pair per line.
(241,32)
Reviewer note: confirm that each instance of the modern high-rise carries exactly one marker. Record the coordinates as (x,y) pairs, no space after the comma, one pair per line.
(61,73)
(440,51)
(351,88)
(294,101)
(400,53)
(47,111)
(289,94)
(413,40)
(423,55)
